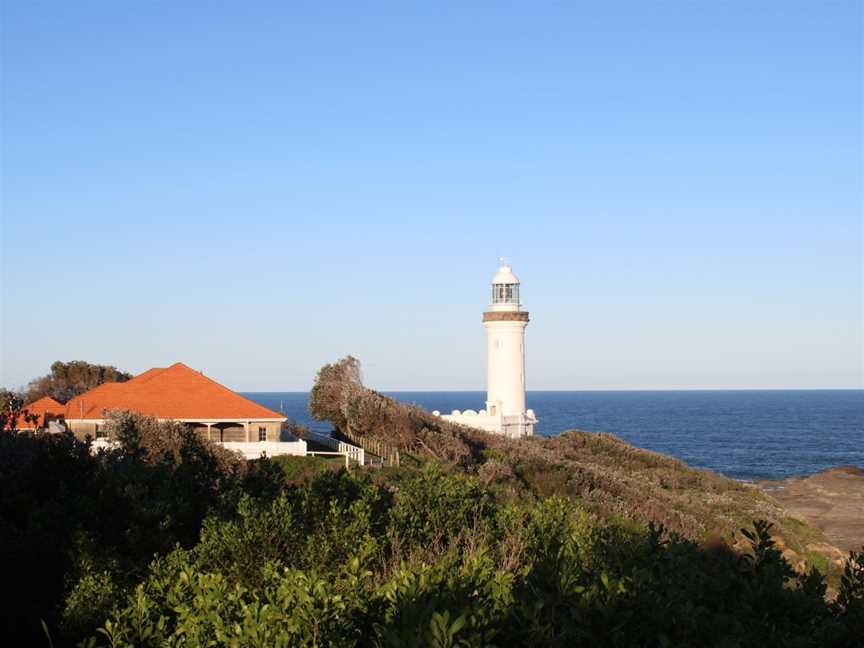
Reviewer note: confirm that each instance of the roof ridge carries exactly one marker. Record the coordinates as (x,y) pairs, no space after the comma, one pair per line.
(101,386)
(226,389)
(148,375)
(46,397)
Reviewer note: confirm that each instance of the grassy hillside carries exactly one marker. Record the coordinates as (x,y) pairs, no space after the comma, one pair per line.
(613,478)
(600,472)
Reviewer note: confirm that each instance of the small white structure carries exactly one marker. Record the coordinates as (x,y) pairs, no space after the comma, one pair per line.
(254,450)
(505,324)
(249,450)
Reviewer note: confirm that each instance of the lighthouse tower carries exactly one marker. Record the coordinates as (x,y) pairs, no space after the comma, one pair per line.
(505,324)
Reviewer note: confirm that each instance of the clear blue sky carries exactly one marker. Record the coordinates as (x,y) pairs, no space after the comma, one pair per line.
(258,188)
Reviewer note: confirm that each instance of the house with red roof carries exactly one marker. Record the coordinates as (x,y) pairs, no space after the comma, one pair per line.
(46,410)
(178,393)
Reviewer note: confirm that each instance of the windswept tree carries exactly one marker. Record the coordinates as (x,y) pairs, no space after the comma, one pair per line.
(340,397)
(335,384)
(68,379)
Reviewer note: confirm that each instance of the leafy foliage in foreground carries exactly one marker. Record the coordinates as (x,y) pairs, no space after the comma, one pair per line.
(76,528)
(168,541)
(347,559)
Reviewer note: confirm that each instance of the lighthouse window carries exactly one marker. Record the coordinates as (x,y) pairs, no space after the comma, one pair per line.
(505,294)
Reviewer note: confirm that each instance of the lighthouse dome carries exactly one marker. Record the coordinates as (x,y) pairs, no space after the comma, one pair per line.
(505,276)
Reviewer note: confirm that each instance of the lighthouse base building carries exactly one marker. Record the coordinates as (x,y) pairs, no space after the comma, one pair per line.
(505,324)
(515,427)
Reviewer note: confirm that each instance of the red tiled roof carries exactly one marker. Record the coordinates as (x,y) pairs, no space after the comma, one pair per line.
(175,392)
(147,375)
(46,408)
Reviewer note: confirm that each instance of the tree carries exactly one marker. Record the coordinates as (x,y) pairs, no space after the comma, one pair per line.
(68,379)
(329,392)
(8,399)
(12,411)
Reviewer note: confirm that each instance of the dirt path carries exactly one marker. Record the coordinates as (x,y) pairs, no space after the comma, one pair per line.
(832,500)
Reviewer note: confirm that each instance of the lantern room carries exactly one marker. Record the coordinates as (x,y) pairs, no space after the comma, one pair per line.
(505,290)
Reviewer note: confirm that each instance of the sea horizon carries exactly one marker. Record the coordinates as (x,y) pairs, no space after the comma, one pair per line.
(567,391)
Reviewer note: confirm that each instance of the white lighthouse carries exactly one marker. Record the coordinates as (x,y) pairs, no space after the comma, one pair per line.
(505,324)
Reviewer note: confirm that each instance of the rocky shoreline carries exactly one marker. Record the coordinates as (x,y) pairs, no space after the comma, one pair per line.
(831,500)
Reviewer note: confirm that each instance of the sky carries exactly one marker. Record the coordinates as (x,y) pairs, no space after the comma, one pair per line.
(257,189)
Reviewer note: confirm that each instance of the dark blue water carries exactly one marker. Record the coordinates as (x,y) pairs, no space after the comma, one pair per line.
(742,434)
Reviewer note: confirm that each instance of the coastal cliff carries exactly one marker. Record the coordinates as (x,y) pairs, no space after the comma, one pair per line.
(831,500)
(598,472)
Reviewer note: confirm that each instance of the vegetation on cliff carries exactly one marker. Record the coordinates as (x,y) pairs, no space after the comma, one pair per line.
(170,541)
(596,472)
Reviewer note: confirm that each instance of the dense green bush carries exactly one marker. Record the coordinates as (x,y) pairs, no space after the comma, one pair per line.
(430,559)
(168,542)
(74,524)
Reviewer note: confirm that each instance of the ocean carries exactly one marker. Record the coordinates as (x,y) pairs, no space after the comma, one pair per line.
(744,435)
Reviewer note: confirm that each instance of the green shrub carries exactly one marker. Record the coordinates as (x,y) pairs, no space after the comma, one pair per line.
(185,607)
(549,574)
(165,542)
(89,602)
(433,507)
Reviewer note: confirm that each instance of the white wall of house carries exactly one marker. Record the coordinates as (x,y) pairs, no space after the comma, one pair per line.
(254,450)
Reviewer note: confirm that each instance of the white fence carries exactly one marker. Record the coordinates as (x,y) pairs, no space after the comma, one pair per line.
(386,453)
(350,451)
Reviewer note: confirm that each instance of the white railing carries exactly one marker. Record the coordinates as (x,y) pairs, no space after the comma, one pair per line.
(386,453)
(350,451)
(353,452)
